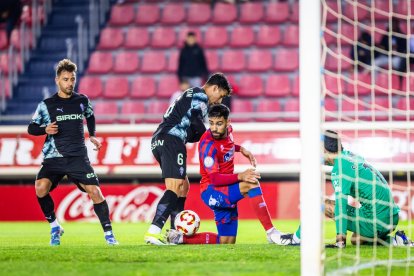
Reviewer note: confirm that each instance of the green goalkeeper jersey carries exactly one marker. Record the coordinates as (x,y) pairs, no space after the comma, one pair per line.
(353,176)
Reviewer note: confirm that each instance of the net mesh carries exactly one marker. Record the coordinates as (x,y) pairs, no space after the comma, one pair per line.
(367,56)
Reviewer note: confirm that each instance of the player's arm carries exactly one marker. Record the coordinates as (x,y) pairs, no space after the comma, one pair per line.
(246,154)
(40,124)
(197,127)
(91,124)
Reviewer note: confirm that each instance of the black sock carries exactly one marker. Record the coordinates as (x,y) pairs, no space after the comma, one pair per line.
(167,204)
(48,207)
(179,208)
(102,211)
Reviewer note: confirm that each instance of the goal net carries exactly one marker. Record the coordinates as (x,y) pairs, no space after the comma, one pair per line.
(367,98)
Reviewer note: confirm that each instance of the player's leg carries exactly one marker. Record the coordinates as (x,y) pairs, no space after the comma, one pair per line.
(182,196)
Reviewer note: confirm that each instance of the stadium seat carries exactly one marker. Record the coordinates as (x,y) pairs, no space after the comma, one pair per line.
(147,14)
(277,86)
(402,7)
(136,38)
(337,59)
(215,37)
(268,36)
(173,13)
(5,63)
(182,34)
(100,63)
(360,85)
(143,87)
(172,64)
(271,107)
(3,39)
(111,38)
(163,37)
(348,34)
(224,13)
(334,84)
(233,61)
(291,36)
(330,109)
(251,12)
(15,39)
(295,87)
(153,62)
(106,112)
(276,12)
(91,86)
(167,85)
(212,59)
(404,106)
(382,9)
(116,88)
(241,36)
(287,60)
(198,13)
(126,62)
(121,15)
(156,110)
(291,110)
(360,14)
(383,87)
(346,109)
(259,61)
(241,110)
(294,13)
(407,83)
(332,11)
(381,108)
(250,86)
(132,112)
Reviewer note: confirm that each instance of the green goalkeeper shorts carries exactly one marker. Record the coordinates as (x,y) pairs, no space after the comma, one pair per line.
(364,225)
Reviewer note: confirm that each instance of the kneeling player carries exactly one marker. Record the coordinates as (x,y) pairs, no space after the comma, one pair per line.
(221,189)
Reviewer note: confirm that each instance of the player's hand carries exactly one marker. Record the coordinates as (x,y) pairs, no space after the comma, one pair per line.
(340,242)
(52,128)
(249,156)
(96,142)
(249,175)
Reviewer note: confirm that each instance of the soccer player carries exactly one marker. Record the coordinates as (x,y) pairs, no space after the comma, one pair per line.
(182,123)
(353,176)
(221,188)
(61,117)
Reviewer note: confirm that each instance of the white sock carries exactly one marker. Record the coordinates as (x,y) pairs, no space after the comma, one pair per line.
(295,238)
(272,230)
(54,224)
(154,229)
(108,233)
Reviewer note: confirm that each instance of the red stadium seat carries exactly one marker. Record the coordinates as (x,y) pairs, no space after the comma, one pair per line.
(251,12)
(332,11)
(276,12)
(173,13)
(404,106)
(224,13)
(91,86)
(270,108)
(241,36)
(233,61)
(126,62)
(359,15)
(132,112)
(3,39)
(172,65)
(294,13)
(153,62)
(136,38)
(383,87)
(15,39)
(147,14)
(167,86)
(334,84)
(295,88)
(182,34)
(268,36)
(382,9)
(291,110)
(330,107)
(291,36)
(259,61)
(100,63)
(111,38)
(352,110)
(349,33)
(407,82)
(116,88)
(121,15)
(402,7)
(381,108)
(156,110)
(337,59)
(215,37)
(359,85)
(212,59)
(241,110)
(143,87)
(198,13)
(250,86)
(106,112)
(287,60)
(277,86)
(163,37)
(5,63)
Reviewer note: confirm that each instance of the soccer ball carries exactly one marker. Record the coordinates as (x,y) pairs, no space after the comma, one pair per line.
(187,222)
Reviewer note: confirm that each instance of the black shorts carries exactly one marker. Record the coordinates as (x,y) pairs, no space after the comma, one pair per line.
(77,168)
(171,154)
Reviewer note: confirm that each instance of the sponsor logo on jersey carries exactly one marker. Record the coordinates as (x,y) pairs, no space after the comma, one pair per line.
(181,171)
(59,109)
(229,155)
(212,201)
(208,161)
(157,143)
(69,117)
(90,175)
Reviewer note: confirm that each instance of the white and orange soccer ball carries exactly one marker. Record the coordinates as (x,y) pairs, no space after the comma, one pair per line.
(187,222)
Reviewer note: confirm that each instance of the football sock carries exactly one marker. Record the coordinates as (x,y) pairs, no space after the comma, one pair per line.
(102,211)
(154,229)
(202,238)
(179,208)
(165,206)
(48,207)
(54,224)
(260,208)
(297,233)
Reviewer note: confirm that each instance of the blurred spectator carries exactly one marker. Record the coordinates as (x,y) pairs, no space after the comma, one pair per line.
(192,64)
(363,51)
(10,12)
(184,85)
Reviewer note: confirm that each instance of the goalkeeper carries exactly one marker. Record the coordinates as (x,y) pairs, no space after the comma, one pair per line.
(353,176)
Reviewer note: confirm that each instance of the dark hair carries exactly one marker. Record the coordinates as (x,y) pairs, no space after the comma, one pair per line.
(332,142)
(191,33)
(221,81)
(65,65)
(218,110)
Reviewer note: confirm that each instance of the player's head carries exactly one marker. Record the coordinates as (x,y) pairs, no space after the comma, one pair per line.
(191,38)
(217,87)
(184,85)
(66,76)
(218,118)
(332,146)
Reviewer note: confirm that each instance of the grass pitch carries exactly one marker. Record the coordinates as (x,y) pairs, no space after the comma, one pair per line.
(24,250)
